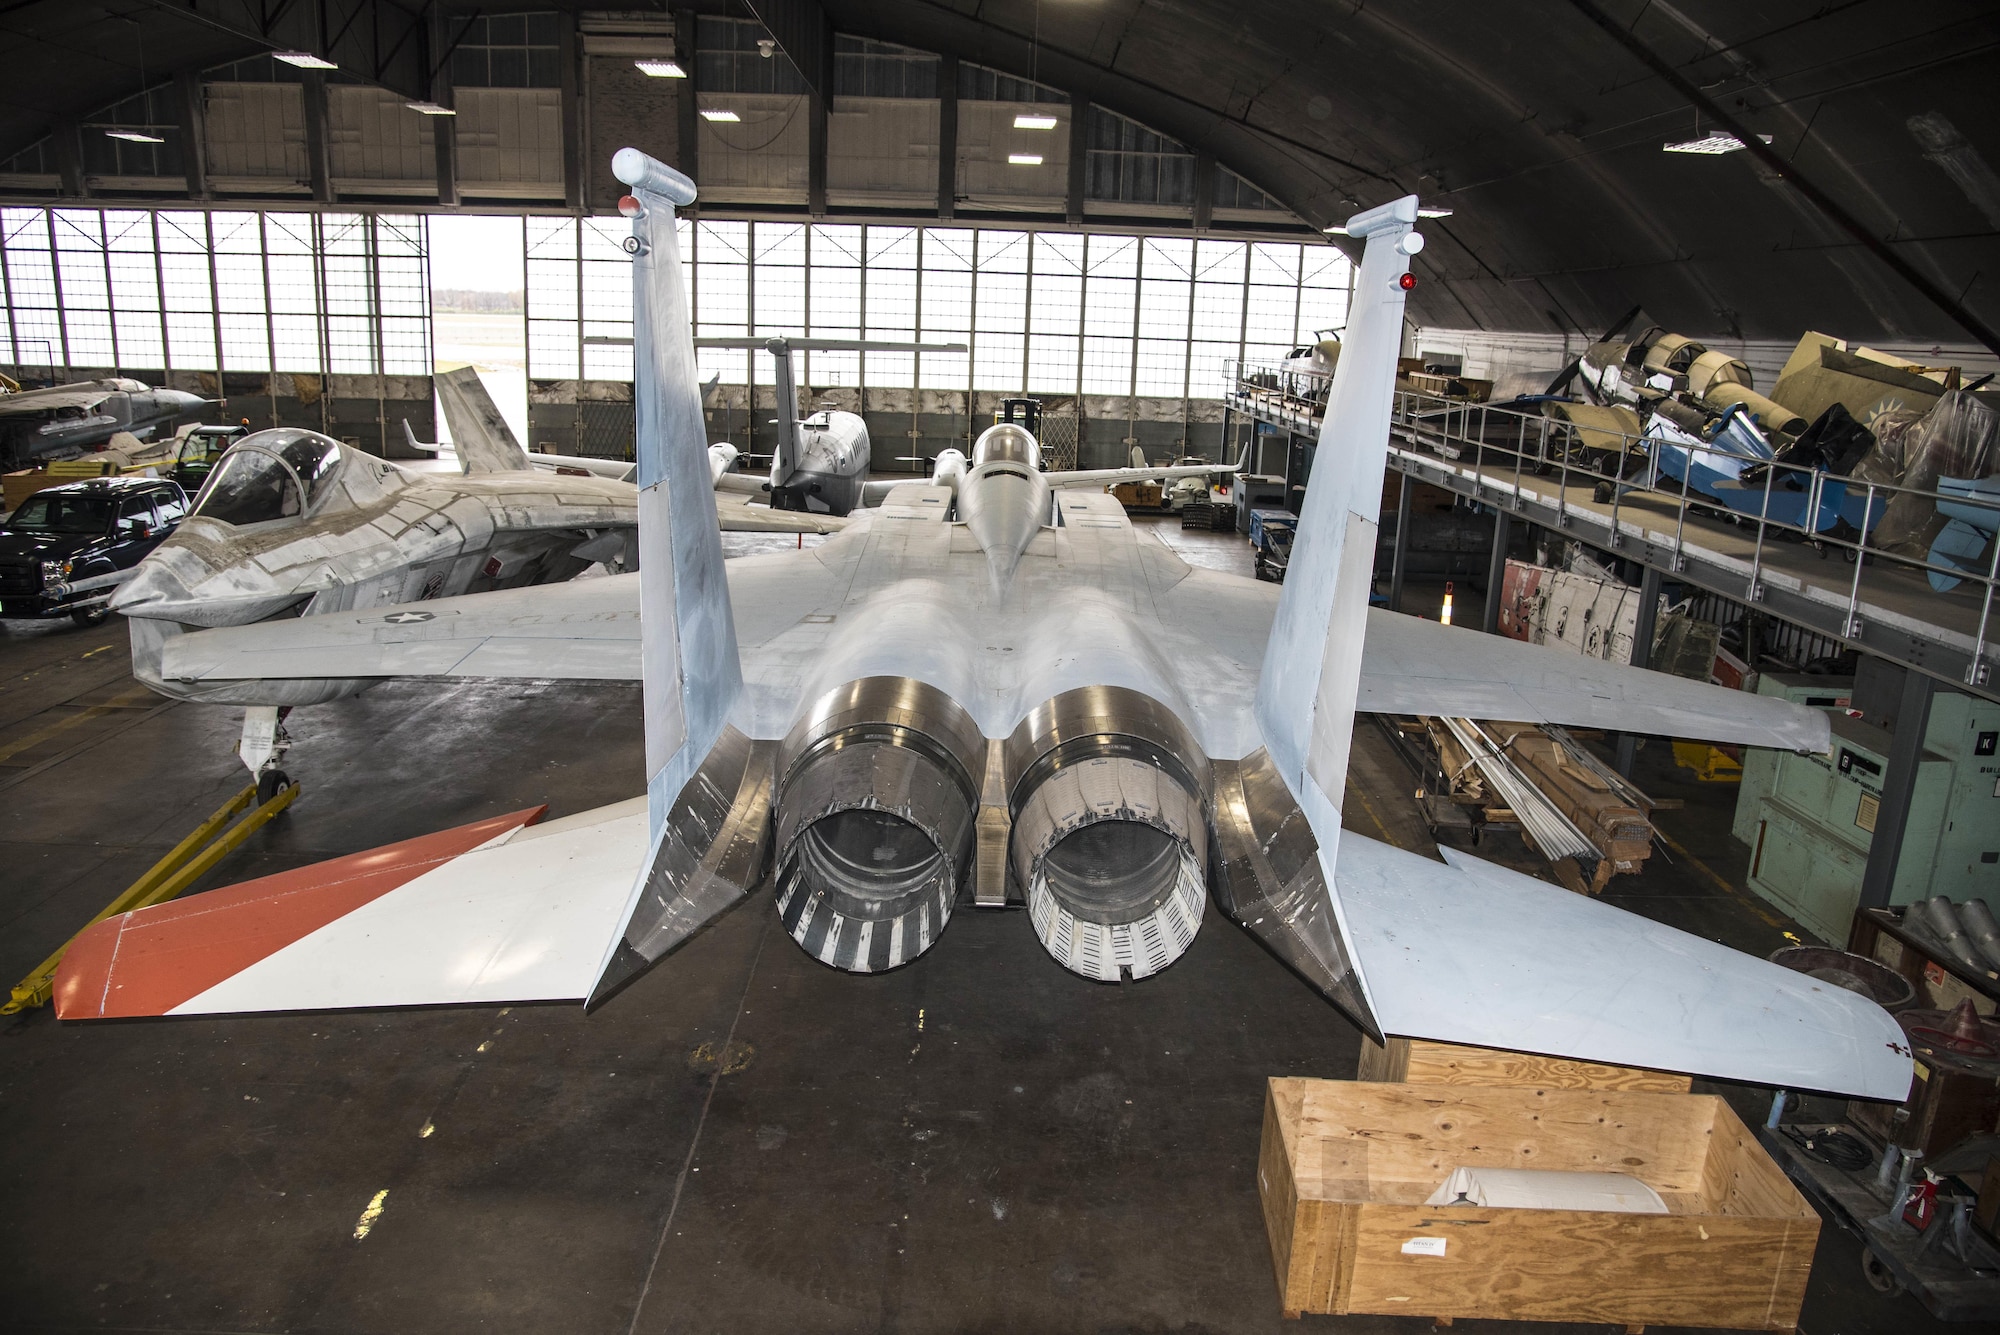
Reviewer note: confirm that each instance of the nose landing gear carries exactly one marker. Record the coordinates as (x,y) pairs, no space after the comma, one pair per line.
(263,745)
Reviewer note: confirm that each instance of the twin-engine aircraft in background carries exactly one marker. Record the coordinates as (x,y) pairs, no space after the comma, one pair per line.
(989,692)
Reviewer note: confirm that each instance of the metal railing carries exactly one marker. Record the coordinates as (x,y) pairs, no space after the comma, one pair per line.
(1620,467)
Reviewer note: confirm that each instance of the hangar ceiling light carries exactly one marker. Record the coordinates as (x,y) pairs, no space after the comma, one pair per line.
(660,69)
(135,136)
(305,60)
(1711,144)
(429,109)
(1025,159)
(1027,122)
(713,114)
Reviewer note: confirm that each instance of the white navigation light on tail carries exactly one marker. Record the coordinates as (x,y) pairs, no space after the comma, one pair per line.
(993,689)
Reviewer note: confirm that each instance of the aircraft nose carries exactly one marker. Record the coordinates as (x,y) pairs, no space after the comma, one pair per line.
(155,591)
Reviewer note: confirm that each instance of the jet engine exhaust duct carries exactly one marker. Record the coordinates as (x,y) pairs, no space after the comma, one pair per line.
(876,817)
(1109,831)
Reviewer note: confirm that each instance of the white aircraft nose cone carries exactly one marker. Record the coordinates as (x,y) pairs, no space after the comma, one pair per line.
(154,590)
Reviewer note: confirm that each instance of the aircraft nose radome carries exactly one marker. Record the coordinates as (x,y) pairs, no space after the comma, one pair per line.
(155,590)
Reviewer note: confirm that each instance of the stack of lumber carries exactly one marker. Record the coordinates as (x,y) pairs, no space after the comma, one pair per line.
(1611,813)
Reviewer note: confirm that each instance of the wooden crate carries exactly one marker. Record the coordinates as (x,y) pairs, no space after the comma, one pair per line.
(1418,1061)
(1346,1166)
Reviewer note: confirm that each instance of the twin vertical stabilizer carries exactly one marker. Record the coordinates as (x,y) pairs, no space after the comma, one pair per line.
(1312,662)
(691,672)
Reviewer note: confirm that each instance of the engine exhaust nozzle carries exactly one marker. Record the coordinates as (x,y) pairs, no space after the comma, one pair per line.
(876,817)
(1109,831)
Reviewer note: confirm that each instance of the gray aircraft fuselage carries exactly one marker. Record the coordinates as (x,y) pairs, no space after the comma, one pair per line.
(832,466)
(292,523)
(69,419)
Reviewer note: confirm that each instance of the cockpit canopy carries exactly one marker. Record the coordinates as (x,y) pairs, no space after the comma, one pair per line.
(269,475)
(1009,443)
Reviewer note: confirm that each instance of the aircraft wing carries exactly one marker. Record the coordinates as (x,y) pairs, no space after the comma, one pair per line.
(1413,666)
(36,401)
(738,515)
(584,630)
(618,470)
(1091,477)
(1470,952)
(743,484)
(499,910)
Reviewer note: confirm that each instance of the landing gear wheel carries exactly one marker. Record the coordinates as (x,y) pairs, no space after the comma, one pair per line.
(90,616)
(270,783)
(1880,1278)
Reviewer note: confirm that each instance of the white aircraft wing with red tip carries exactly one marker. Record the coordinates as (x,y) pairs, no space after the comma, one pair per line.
(502,909)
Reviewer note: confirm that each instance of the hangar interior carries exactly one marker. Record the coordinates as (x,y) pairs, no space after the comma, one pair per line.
(1642,235)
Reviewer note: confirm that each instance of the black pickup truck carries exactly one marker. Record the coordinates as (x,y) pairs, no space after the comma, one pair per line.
(77,531)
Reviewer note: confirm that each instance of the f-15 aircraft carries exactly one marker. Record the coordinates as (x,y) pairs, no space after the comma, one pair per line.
(64,420)
(992,692)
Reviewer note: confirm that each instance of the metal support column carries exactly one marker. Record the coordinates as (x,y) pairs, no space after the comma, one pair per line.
(1642,654)
(1079,157)
(687,123)
(1899,782)
(192,105)
(947,164)
(817,101)
(319,154)
(444,133)
(1496,571)
(569,56)
(1402,546)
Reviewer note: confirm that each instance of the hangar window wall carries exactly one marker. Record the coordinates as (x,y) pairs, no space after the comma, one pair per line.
(145,290)
(1046,312)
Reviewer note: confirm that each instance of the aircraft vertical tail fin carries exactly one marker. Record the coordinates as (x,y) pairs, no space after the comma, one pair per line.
(1312,663)
(689,665)
(480,436)
(1278,877)
(785,458)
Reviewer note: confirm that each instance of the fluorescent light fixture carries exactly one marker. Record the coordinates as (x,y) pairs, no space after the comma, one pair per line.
(1434,213)
(135,136)
(1715,143)
(1027,122)
(305,60)
(660,69)
(711,114)
(429,109)
(1025,159)
(1334,231)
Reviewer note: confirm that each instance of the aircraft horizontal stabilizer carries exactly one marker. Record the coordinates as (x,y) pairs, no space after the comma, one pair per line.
(1413,666)
(1110,477)
(498,910)
(1474,953)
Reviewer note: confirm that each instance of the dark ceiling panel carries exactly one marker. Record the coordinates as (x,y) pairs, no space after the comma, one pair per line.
(1540,130)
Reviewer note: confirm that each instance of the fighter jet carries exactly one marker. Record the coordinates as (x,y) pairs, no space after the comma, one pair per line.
(482,441)
(996,691)
(65,420)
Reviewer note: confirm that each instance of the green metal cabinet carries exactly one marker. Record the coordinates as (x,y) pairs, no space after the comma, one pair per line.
(1809,819)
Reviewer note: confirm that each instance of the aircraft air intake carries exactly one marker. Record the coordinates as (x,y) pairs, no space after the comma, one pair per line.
(1109,831)
(876,816)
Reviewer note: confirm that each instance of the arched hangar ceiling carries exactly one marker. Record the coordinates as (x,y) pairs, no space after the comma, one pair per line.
(1543,131)
(1540,126)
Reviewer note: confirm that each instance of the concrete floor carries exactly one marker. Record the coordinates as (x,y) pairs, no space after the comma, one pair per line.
(742,1141)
